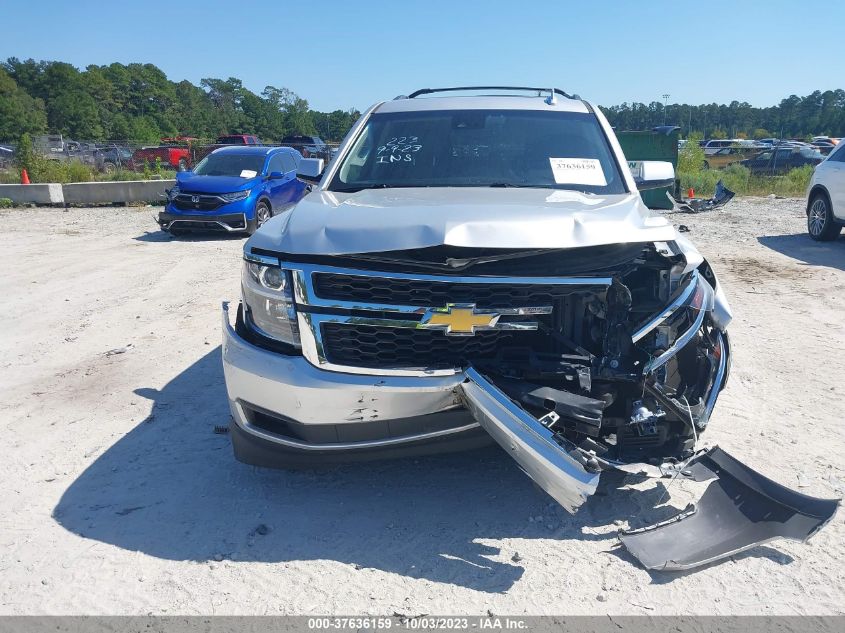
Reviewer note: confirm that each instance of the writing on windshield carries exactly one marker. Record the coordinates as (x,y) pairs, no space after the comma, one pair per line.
(484,148)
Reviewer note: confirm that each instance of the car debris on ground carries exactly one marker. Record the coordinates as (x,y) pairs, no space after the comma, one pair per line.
(721,197)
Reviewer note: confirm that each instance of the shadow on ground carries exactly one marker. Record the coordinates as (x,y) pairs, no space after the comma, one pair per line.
(170,488)
(207,236)
(802,248)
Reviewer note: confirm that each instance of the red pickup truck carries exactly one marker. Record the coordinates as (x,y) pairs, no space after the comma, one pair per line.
(174,153)
(202,151)
(238,139)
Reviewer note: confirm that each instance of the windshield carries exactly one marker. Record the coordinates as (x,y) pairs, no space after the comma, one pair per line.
(481,148)
(241,165)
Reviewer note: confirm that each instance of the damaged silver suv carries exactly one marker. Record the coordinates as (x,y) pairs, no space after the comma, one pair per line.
(478,266)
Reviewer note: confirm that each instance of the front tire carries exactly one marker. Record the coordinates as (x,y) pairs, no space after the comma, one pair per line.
(821,225)
(262,214)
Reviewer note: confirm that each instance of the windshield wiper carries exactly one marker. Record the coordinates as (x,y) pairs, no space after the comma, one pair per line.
(381,185)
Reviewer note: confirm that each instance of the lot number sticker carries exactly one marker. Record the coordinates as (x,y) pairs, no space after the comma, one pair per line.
(578,171)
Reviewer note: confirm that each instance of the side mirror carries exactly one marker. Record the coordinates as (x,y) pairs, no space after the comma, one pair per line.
(652,174)
(310,169)
(276,175)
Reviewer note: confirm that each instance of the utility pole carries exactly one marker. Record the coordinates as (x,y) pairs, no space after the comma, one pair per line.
(665,103)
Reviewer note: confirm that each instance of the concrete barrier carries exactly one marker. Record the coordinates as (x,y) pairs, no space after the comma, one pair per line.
(33,194)
(116,191)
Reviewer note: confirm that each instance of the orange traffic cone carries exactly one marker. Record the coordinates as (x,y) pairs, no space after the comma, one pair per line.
(690,193)
(24,177)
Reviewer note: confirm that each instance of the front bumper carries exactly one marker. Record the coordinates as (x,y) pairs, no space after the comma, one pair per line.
(286,412)
(208,221)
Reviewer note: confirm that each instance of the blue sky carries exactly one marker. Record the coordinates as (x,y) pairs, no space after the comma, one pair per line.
(353,53)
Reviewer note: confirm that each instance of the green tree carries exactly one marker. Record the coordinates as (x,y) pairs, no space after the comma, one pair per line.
(19,112)
(25,157)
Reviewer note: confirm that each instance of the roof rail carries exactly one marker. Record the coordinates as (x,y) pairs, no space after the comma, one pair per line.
(539,91)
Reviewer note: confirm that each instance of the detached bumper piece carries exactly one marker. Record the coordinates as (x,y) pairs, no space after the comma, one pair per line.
(552,462)
(739,510)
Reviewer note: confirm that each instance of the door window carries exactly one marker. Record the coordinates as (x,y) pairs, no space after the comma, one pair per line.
(288,162)
(838,154)
(276,164)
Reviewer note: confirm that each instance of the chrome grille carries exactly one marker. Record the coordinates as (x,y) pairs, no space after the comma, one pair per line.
(390,347)
(365,322)
(185,202)
(427,293)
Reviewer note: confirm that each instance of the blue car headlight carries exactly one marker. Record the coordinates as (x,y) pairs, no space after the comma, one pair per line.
(173,192)
(235,196)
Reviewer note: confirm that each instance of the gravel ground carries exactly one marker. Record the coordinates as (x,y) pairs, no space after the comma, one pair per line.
(120,499)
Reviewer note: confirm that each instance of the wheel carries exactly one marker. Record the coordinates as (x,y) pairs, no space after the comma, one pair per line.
(109,167)
(821,224)
(183,164)
(262,214)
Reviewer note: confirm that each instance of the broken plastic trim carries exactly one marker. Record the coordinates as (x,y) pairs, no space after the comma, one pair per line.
(720,198)
(739,510)
(551,461)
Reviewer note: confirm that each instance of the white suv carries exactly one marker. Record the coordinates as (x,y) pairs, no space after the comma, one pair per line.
(826,197)
(482,268)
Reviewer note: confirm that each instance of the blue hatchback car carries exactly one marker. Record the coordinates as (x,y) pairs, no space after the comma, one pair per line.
(233,189)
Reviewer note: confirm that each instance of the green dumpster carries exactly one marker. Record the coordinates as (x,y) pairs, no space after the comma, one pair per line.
(658,144)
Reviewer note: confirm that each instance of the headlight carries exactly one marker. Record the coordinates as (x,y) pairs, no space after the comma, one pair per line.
(174,191)
(679,322)
(268,302)
(235,195)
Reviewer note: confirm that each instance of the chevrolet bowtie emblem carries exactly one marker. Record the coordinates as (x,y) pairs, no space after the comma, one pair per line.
(462,319)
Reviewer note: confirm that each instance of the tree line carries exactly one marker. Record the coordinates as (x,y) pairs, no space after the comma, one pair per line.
(138,102)
(819,113)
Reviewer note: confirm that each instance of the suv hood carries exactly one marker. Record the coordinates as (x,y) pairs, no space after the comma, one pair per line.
(378,220)
(212,184)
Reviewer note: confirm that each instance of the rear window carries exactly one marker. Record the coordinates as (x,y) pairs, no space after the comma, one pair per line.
(481,148)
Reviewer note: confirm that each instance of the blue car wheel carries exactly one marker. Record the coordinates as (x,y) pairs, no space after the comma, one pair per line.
(262,214)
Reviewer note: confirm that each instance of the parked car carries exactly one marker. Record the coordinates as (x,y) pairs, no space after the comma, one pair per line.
(199,152)
(482,268)
(7,155)
(56,147)
(781,159)
(233,189)
(727,156)
(238,139)
(116,157)
(824,147)
(826,197)
(308,146)
(172,153)
(713,146)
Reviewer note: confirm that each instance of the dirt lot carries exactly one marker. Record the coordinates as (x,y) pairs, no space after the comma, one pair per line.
(118,497)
